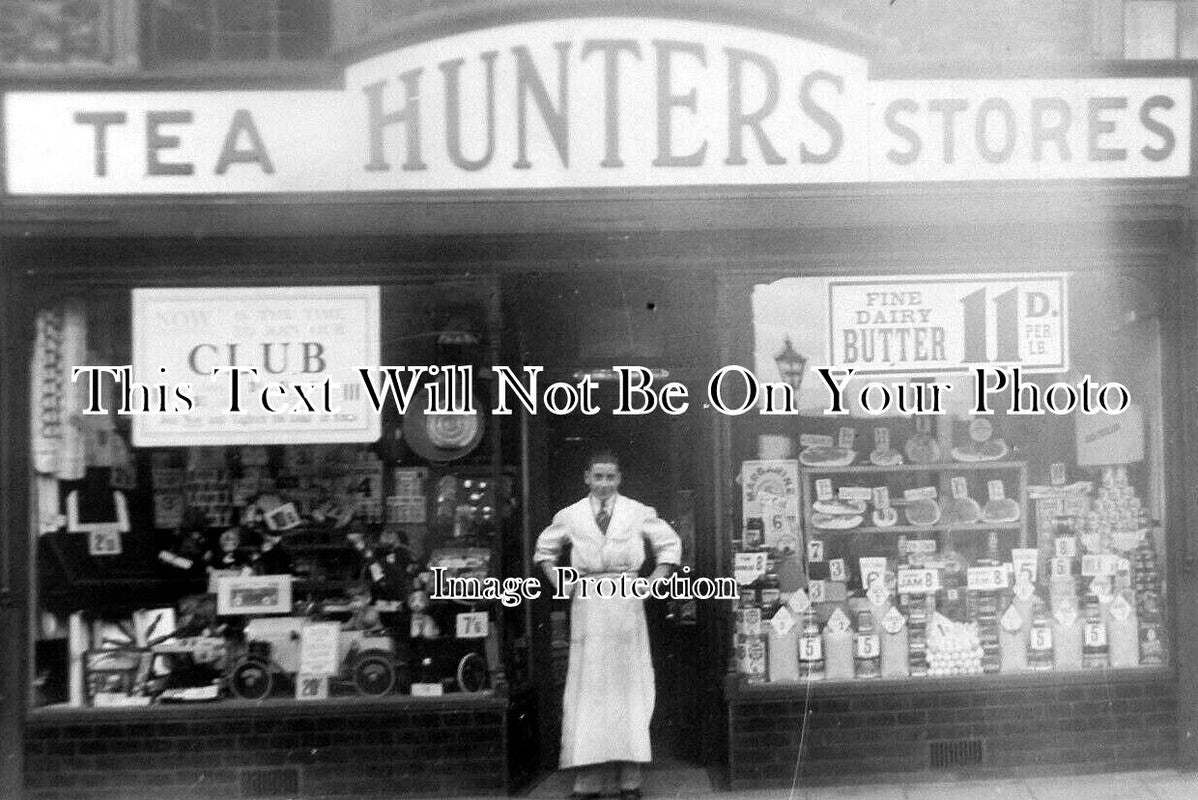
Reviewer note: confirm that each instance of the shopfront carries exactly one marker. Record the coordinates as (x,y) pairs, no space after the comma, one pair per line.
(212,603)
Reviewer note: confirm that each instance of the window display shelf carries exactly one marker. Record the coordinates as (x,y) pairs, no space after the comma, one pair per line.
(939,466)
(904,529)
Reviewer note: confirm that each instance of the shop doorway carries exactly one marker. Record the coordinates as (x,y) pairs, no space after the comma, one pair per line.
(658,454)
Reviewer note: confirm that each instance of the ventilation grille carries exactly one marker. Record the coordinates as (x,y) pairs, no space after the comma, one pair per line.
(269,783)
(955,754)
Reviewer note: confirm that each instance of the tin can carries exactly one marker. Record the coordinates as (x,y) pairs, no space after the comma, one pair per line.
(748,621)
(751,658)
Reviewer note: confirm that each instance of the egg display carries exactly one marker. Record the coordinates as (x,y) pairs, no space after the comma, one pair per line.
(954,648)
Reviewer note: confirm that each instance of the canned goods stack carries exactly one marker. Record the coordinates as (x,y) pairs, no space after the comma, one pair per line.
(1147,582)
(918,609)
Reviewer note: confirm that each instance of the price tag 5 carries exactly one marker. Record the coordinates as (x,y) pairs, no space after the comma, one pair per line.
(1041,639)
(472,625)
(811,648)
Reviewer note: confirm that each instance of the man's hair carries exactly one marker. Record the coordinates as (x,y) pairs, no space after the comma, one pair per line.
(603,456)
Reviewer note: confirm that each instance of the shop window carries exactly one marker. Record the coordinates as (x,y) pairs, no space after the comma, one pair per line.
(190,31)
(212,556)
(1160,29)
(62,32)
(893,541)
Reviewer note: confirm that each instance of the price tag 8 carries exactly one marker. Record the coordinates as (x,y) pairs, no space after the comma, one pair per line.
(996,490)
(960,487)
(837,570)
(818,591)
(823,489)
(472,625)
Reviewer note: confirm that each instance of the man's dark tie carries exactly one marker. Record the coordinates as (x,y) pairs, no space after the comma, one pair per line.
(603,518)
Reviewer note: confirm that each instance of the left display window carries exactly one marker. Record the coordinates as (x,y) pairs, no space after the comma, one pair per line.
(196,547)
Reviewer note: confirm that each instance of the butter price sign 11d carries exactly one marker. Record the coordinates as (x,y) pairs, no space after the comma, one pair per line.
(940,325)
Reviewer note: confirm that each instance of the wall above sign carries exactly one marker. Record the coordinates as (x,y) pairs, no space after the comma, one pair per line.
(593,103)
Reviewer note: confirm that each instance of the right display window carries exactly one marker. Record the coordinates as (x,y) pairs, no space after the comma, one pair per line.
(951,475)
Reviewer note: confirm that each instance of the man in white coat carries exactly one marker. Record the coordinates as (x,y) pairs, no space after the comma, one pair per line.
(610,692)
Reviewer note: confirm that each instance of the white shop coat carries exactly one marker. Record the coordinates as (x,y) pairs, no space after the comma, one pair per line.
(609,684)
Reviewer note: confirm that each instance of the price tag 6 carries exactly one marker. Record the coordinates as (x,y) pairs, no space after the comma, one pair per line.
(996,490)
(815,550)
(881,497)
(847,438)
(960,487)
(837,570)
(869,645)
(472,625)
(823,489)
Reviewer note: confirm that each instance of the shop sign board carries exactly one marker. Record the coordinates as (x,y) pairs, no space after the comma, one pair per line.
(596,102)
(940,325)
(304,339)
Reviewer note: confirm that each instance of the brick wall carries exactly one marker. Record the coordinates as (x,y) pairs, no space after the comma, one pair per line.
(342,749)
(1033,723)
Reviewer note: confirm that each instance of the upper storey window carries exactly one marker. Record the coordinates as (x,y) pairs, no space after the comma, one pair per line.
(190,31)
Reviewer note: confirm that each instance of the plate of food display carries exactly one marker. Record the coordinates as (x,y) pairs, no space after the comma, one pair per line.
(827,457)
(960,511)
(839,508)
(886,458)
(836,522)
(1004,510)
(922,513)
(884,517)
(989,450)
(923,448)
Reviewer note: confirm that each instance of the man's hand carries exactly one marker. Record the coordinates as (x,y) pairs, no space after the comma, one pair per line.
(550,570)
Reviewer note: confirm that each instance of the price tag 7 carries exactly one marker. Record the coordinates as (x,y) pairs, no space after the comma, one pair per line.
(815,550)
(472,625)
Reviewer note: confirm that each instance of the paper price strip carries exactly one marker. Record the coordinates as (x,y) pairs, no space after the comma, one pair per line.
(748,567)
(986,579)
(918,581)
(472,625)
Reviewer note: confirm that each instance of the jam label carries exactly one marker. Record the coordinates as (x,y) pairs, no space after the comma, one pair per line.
(1012,620)
(1065,616)
(893,621)
(783,621)
(918,581)
(799,602)
(1120,609)
(838,622)
(986,579)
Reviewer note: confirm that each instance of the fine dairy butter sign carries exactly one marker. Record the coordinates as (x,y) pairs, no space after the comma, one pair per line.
(943,325)
(591,103)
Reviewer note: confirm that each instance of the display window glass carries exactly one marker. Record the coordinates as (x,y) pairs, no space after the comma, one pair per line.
(966,502)
(220,558)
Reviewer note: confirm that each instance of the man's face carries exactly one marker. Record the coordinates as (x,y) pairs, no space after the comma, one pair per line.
(602,479)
